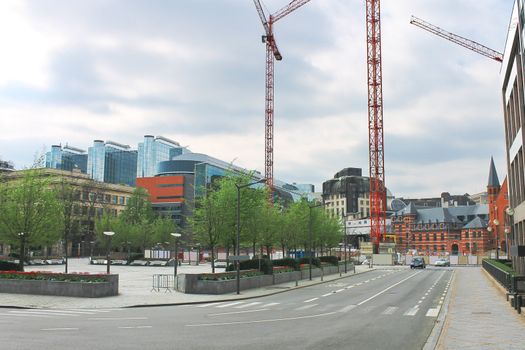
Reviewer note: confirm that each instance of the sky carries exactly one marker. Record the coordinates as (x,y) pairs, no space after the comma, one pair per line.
(193,71)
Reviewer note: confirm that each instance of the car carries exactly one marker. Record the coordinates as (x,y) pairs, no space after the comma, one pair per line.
(220,263)
(442,262)
(417,263)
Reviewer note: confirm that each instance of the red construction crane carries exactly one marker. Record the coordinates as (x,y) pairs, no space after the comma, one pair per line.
(375,124)
(272,52)
(469,44)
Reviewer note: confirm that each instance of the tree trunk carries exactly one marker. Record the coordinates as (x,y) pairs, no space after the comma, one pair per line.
(212,259)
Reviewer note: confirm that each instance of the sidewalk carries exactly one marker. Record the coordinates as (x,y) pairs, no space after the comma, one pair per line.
(135,288)
(479,317)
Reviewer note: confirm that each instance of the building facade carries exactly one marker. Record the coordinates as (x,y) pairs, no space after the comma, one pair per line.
(67,158)
(154,150)
(112,162)
(513,94)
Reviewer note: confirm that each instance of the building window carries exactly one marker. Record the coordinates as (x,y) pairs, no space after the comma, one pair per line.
(427,237)
(420,237)
(442,236)
(466,234)
(435,238)
(443,247)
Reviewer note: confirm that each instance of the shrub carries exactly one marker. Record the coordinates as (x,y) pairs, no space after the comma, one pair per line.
(315,261)
(263,265)
(9,266)
(332,260)
(290,262)
(47,276)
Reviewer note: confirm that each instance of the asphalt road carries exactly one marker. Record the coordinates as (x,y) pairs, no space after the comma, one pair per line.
(380,309)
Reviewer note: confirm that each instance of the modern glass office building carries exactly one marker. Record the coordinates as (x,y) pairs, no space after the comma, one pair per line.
(67,158)
(154,150)
(112,162)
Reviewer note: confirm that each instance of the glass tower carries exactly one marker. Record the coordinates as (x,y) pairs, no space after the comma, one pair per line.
(154,150)
(112,162)
(67,158)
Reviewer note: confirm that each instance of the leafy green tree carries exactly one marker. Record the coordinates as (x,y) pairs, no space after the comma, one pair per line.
(30,211)
(139,214)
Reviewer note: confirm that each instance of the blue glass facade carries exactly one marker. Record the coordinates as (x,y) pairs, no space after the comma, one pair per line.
(67,158)
(154,150)
(112,163)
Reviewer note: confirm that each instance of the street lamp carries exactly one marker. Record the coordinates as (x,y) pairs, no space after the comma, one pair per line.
(238,262)
(310,207)
(496,223)
(345,243)
(508,229)
(109,234)
(176,237)
(22,248)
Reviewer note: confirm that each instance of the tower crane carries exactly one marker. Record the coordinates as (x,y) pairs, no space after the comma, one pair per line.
(272,54)
(375,124)
(469,44)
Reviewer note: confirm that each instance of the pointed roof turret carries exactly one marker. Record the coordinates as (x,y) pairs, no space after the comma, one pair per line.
(493,175)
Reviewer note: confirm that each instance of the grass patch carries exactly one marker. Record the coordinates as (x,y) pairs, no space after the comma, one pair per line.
(501,265)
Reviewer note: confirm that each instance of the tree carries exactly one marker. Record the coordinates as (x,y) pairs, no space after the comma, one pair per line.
(30,212)
(139,214)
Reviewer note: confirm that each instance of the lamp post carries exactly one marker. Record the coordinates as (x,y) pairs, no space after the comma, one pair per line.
(310,207)
(176,261)
(345,243)
(496,223)
(109,234)
(508,229)
(489,229)
(238,262)
(22,248)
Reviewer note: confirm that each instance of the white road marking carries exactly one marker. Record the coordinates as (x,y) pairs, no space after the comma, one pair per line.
(248,305)
(327,294)
(339,290)
(231,304)
(25,315)
(433,312)
(238,312)
(310,300)
(349,287)
(412,312)
(390,310)
(67,312)
(388,288)
(259,321)
(31,312)
(306,307)
(270,304)
(347,308)
(210,304)
(59,329)
(116,318)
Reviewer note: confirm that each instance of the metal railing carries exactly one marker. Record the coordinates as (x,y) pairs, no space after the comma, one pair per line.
(503,277)
(165,282)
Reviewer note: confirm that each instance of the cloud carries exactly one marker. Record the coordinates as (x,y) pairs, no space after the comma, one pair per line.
(194,72)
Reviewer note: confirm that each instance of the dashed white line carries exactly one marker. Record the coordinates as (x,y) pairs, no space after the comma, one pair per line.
(248,305)
(238,312)
(310,300)
(231,304)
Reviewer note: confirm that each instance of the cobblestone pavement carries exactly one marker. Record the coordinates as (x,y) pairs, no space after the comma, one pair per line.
(479,317)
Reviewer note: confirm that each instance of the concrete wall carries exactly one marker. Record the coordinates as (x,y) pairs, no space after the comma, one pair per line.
(190,283)
(60,288)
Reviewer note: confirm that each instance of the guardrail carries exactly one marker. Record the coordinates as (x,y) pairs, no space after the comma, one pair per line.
(166,282)
(503,277)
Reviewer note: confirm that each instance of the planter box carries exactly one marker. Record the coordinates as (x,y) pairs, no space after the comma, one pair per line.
(190,283)
(61,288)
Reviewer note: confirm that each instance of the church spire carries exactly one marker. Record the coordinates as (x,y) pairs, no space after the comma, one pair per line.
(493,175)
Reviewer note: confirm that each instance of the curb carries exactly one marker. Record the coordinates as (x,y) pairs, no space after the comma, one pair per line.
(247,297)
(206,301)
(437,331)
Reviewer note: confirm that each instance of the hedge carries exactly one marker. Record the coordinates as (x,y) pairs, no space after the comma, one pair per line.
(9,266)
(263,265)
(332,260)
(291,262)
(315,261)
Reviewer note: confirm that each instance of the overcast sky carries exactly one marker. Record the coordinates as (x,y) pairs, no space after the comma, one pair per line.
(193,71)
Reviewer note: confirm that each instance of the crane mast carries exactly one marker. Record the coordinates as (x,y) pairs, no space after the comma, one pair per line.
(375,124)
(467,43)
(272,54)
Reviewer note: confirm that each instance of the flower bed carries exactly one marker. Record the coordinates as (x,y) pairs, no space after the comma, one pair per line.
(225,276)
(60,284)
(282,269)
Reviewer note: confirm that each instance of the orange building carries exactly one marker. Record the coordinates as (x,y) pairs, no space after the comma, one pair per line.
(166,193)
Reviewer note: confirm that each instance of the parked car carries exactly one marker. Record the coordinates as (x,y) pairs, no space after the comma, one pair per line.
(442,262)
(417,263)
(220,263)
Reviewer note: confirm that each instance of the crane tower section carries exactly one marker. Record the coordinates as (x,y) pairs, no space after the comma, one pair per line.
(375,124)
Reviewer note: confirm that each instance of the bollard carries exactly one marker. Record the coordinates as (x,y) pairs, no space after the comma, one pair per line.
(296,280)
(519,302)
(322,274)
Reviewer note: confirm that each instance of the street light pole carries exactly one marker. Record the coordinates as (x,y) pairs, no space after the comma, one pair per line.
(109,234)
(496,223)
(176,261)
(238,262)
(22,249)
(310,207)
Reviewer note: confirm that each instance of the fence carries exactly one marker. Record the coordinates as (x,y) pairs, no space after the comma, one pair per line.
(166,282)
(503,277)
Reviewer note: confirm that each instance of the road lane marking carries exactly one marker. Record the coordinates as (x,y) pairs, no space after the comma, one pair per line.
(388,288)
(310,300)
(209,304)
(270,304)
(306,307)
(25,315)
(433,312)
(59,329)
(231,304)
(116,318)
(390,310)
(248,305)
(30,312)
(67,312)
(348,308)
(412,312)
(349,287)
(327,294)
(259,321)
(339,290)
(238,312)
